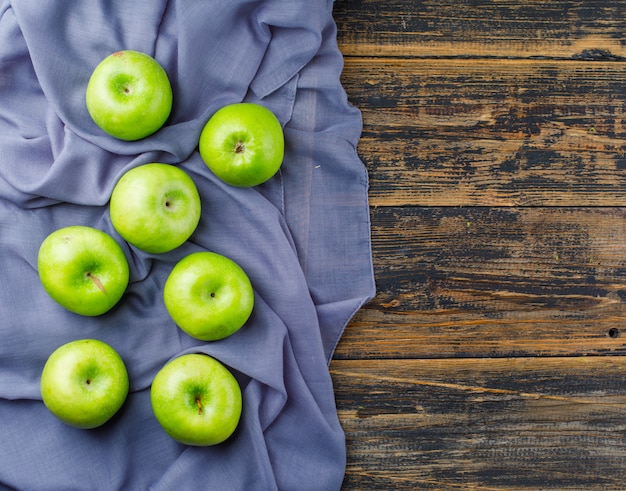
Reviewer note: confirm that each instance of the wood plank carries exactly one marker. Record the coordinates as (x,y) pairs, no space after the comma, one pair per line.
(482,28)
(491,132)
(514,423)
(495,143)
(463,282)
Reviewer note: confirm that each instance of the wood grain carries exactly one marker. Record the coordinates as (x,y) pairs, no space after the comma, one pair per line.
(482,28)
(491,132)
(493,282)
(492,356)
(515,423)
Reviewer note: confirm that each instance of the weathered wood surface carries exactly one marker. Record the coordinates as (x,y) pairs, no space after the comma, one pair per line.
(491,132)
(494,282)
(580,29)
(509,423)
(493,354)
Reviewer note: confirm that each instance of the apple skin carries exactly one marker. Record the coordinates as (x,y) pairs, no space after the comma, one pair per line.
(209,296)
(243,144)
(196,400)
(84,383)
(129,95)
(83,269)
(155,207)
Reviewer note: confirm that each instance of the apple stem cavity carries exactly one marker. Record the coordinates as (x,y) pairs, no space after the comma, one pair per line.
(97,282)
(240,147)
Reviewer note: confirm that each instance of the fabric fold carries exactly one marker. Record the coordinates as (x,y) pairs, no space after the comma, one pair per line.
(302,238)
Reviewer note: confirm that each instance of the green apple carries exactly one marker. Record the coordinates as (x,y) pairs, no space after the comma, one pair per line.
(196,400)
(209,296)
(83,269)
(243,144)
(84,383)
(129,95)
(155,207)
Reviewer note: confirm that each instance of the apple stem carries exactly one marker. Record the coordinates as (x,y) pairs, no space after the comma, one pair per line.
(97,282)
(240,147)
(199,404)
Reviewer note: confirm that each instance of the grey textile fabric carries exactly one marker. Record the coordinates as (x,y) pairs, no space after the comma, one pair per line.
(303,238)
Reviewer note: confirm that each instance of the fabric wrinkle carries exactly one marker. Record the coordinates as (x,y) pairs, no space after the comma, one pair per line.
(302,237)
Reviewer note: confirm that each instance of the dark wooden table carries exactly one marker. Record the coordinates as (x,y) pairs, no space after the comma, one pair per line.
(495,138)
